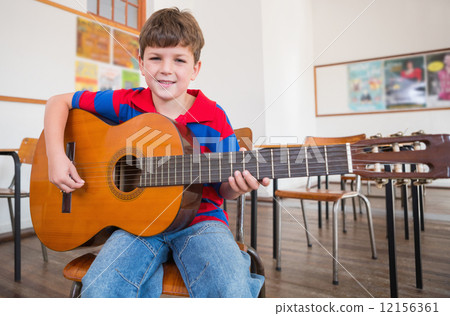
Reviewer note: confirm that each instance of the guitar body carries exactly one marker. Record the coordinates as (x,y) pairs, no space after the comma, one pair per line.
(108,198)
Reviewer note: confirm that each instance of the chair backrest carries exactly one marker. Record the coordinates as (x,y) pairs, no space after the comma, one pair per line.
(27,149)
(322,141)
(244,137)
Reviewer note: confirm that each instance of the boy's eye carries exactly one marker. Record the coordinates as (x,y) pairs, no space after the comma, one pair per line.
(179,60)
(154,58)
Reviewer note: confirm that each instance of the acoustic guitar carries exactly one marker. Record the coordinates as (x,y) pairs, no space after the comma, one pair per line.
(146,175)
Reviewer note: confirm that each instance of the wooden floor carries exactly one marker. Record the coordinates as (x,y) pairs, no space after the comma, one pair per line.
(306,272)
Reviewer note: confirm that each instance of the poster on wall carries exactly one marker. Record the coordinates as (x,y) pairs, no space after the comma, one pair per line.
(438,79)
(365,86)
(405,83)
(86,76)
(93,40)
(125,50)
(109,78)
(130,79)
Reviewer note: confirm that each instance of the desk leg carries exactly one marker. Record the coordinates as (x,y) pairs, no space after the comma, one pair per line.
(405,209)
(275,219)
(254,219)
(417,249)
(390,220)
(319,204)
(17,229)
(421,197)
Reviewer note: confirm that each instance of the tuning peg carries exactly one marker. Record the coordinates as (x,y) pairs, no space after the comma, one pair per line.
(400,182)
(422,181)
(396,134)
(380,183)
(419,132)
(377,135)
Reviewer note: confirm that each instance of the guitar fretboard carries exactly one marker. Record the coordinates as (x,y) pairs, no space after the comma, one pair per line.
(285,162)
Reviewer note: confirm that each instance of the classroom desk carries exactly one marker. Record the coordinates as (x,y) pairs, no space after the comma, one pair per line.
(17,201)
(390,219)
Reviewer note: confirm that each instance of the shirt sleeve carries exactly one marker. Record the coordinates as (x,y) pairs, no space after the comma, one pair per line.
(107,104)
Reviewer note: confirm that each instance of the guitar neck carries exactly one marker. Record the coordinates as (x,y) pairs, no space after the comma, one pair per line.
(274,163)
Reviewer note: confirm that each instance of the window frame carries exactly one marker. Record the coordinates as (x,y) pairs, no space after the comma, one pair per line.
(140,6)
(142,13)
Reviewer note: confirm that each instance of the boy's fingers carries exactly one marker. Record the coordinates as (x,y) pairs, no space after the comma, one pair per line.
(74,174)
(75,177)
(241,182)
(250,180)
(233,185)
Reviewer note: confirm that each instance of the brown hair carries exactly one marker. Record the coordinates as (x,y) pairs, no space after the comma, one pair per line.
(171,27)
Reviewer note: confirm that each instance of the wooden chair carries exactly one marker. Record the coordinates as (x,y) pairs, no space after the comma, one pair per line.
(26,154)
(325,195)
(173,283)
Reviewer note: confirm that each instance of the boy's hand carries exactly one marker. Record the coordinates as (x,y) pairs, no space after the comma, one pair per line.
(63,174)
(241,183)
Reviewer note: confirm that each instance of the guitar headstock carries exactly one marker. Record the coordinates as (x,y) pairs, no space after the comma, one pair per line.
(419,156)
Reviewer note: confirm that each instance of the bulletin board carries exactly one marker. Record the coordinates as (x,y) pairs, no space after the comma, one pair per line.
(410,82)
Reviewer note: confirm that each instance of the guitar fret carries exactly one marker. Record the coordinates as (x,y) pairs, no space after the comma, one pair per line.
(220,166)
(230,155)
(306,161)
(326,159)
(271,156)
(162,170)
(243,161)
(289,162)
(349,158)
(190,158)
(200,167)
(209,166)
(156,172)
(151,169)
(175,171)
(257,164)
(168,170)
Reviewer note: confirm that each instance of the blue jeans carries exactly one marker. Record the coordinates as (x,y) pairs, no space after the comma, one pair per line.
(209,260)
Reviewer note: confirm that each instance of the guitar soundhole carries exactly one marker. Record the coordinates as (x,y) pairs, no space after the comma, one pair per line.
(126,174)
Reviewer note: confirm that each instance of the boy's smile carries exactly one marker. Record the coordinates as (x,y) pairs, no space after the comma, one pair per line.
(168,72)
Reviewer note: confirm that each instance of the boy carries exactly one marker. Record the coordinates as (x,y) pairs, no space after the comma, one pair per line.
(205,252)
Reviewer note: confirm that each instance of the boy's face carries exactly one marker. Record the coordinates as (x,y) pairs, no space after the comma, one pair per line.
(168,71)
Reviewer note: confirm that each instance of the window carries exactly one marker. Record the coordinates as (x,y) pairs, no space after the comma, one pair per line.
(125,12)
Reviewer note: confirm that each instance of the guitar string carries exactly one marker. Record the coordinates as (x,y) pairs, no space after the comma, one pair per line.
(266,171)
(249,154)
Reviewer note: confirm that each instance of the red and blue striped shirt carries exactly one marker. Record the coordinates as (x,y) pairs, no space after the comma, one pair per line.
(207,121)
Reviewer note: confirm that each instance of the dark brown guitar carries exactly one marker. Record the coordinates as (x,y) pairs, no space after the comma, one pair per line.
(145,177)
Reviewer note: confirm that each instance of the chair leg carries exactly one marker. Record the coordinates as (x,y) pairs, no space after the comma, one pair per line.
(302,206)
(335,242)
(360,207)
(11,214)
(344,228)
(370,223)
(343,208)
(44,252)
(75,291)
(278,234)
(353,201)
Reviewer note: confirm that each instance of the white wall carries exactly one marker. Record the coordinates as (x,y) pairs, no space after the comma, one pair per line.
(232,64)
(385,28)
